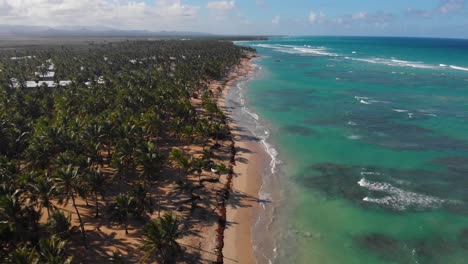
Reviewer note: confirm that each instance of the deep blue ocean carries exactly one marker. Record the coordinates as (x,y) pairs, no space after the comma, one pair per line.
(371,136)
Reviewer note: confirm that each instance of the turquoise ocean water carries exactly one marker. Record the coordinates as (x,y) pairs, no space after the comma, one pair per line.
(372,142)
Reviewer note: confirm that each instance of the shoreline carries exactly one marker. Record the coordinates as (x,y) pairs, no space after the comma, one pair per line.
(243,202)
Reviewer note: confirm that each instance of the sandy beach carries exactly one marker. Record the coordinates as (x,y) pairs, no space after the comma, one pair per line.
(249,164)
(243,203)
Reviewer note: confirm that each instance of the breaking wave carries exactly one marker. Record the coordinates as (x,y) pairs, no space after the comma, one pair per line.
(323,51)
(397,198)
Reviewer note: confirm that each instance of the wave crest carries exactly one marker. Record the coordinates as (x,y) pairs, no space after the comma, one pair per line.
(397,198)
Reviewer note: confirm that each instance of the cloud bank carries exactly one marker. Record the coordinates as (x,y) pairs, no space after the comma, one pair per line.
(221,5)
(134,14)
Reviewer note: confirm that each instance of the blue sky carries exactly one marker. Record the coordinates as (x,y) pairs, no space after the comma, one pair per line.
(436,18)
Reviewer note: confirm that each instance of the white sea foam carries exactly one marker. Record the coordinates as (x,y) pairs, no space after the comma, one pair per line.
(263,135)
(253,115)
(428,112)
(244,108)
(404,63)
(377,101)
(458,68)
(351,123)
(364,173)
(398,198)
(365,100)
(320,51)
(256,127)
(361,97)
(323,51)
(395,62)
(400,110)
(264,198)
(316,51)
(272,152)
(354,137)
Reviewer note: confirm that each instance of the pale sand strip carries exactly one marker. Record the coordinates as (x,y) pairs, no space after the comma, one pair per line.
(244,201)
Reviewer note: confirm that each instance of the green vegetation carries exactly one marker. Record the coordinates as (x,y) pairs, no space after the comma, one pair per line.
(159,238)
(106,137)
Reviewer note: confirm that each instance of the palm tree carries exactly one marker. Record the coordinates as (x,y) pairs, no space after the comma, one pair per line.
(96,182)
(159,238)
(17,218)
(117,258)
(151,123)
(67,182)
(221,169)
(123,158)
(59,224)
(52,251)
(42,190)
(183,162)
(45,130)
(23,255)
(151,164)
(142,204)
(198,165)
(120,209)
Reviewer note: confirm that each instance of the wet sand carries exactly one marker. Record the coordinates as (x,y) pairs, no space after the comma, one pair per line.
(242,206)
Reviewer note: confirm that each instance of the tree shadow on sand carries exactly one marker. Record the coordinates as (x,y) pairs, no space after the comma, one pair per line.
(239,199)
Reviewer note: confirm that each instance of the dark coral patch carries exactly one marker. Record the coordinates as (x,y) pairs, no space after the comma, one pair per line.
(298,130)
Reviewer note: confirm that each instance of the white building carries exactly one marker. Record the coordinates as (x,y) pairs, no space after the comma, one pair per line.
(48,76)
(33,84)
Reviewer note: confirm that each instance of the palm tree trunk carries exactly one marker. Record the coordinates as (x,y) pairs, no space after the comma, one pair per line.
(159,206)
(150,185)
(157,141)
(109,155)
(83,233)
(97,205)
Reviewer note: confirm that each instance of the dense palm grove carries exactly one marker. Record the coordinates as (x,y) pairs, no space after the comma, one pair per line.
(104,137)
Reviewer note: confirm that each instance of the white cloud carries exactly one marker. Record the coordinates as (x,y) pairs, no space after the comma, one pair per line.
(221,5)
(421,13)
(449,6)
(445,7)
(365,19)
(360,15)
(128,14)
(339,20)
(316,18)
(175,8)
(276,20)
